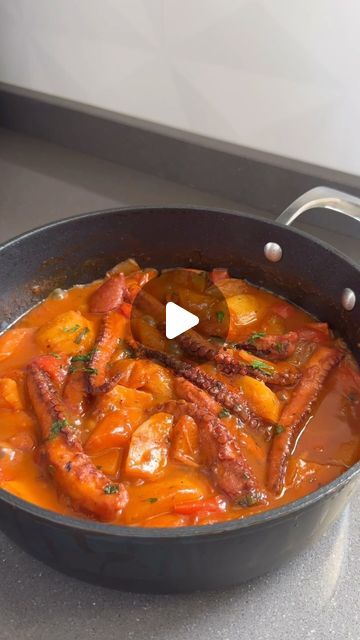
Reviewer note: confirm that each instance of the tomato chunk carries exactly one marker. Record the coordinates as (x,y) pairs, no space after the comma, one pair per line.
(217,275)
(284,310)
(190,508)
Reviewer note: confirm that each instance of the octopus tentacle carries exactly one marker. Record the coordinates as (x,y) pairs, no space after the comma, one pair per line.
(75,394)
(197,346)
(109,295)
(242,363)
(222,454)
(88,488)
(229,362)
(232,399)
(186,390)
(275,347)
(298,408)
(97,380)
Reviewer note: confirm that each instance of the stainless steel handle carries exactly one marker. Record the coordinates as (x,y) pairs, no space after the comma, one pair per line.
(318,198)
(325,198)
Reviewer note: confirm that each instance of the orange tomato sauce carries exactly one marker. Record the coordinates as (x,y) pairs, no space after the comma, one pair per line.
(328,444)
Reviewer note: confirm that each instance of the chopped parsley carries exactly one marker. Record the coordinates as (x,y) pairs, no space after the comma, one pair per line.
(250,500)
(111,488)
(91,370)
(56,355)
(81,335)
(278,428)
(56,428)
(72,329)
(152,500)
(256,335)
(220,315)
(224,413)
(263,367)
(74,368)
(84,357)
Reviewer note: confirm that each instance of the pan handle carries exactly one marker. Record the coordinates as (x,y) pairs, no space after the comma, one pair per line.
(323,198)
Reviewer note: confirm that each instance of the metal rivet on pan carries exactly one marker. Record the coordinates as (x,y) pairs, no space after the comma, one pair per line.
(348,299)
(273,251)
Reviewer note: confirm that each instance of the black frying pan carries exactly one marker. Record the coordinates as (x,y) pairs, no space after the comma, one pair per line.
(309,273)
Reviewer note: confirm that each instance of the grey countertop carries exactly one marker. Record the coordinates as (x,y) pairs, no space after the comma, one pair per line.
(314,596)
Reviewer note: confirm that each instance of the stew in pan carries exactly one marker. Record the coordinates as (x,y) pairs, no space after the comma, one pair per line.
(103,417)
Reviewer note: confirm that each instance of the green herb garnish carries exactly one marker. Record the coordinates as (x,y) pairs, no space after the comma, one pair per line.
(224,413)
(250,500)
(56,427)
(256,335)
(56,355)
(85,357)
(220,315)
(111,488)
(72,329)
(152,500)
(278,428)
(259,365)
(81,335)
(280,347)
(91,370)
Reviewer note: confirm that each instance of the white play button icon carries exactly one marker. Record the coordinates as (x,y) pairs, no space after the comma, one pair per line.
(178,320)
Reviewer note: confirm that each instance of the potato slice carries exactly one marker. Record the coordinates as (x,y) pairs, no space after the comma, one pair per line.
(14,421)
(124,399)
(153,378)
(158,497)
(262,400)
(302,473)
(185,442)
(229,287)
(10,462)
(148,335)
(126,267)
(108,462)
(69,333)
(198,303)
(115,429)
(149,446)
(244,309)
(11,340)
(9,394)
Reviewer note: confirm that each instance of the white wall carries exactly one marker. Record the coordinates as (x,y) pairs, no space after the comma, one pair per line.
(277,75)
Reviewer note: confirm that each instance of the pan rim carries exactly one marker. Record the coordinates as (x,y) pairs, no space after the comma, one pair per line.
(158,533)
(128,532)
(176,208)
